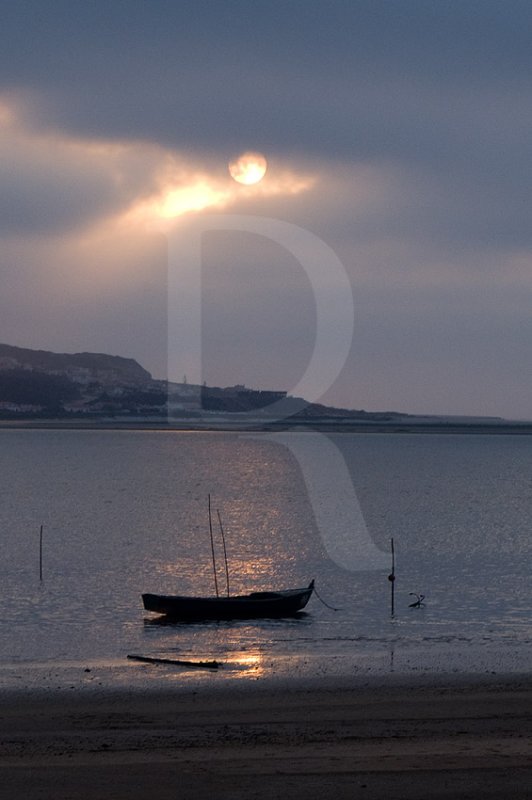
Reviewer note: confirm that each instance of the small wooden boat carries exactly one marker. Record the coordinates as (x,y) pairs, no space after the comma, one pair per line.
(257,605)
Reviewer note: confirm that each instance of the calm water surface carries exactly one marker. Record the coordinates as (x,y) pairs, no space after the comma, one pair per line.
(126,512)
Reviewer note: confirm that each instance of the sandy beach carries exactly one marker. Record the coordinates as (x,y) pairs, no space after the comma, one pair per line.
(446,739)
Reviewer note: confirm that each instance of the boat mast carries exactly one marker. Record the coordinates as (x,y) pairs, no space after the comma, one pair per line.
(391,578)
(225,551)
(212,550)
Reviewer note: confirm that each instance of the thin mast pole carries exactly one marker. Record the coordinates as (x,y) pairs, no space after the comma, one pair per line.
(225,551)
(40,554)
(391,577)
(212,550)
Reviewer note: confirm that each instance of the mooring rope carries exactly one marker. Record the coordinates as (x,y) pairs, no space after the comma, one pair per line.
(323,601)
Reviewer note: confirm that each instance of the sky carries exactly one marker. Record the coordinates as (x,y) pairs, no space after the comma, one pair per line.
(397,135)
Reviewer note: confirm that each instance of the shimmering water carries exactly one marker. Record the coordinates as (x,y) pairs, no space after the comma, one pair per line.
(126,512)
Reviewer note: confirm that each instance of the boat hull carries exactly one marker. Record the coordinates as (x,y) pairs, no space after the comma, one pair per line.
(258,605)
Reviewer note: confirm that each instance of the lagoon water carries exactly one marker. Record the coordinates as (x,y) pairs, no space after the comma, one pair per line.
(126,512)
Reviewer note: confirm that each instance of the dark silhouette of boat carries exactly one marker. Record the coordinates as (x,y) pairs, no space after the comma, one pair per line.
(257,605)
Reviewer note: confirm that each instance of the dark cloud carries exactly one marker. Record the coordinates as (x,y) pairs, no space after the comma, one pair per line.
(442,89)
(305,75)
(422,82)
(44,190)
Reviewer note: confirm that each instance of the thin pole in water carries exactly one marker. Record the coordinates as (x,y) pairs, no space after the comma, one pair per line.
(391,577)
(40,554)
(212,550)
(225,551)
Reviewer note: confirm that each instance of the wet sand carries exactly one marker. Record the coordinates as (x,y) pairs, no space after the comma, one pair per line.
(450,739)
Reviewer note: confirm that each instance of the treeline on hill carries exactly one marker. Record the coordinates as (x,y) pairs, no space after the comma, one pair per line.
(30,387)
(227,400)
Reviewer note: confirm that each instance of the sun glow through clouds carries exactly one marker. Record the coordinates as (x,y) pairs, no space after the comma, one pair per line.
(181,195)
(248,168)
(191,198)
(130,185)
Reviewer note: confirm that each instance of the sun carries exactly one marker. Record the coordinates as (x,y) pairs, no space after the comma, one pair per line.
(248,168)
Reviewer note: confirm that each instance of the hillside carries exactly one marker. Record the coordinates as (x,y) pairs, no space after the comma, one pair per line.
(38,384)
(82,367)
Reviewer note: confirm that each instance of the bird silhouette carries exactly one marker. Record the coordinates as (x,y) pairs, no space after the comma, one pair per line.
(419,602)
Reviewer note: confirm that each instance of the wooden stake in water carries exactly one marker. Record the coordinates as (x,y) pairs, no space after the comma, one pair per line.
(391,577)
(225,551)
(40,554)
(212,550)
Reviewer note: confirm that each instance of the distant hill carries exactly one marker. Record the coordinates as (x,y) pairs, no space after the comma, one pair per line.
(39,384)
(96,387)
(80,367)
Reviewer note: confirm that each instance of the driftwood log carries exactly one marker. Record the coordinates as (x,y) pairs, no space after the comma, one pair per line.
(177,662)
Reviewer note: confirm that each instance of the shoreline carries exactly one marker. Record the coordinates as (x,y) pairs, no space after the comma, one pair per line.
(277,426)
(376,667)
(444,737)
